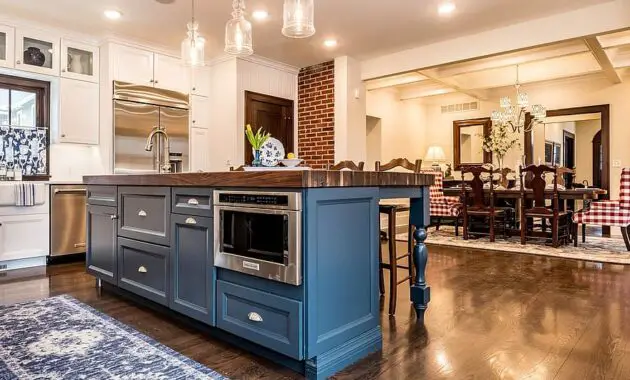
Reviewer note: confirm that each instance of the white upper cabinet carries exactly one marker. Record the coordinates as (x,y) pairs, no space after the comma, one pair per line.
(132,65)
(37,52)
(78,112)
(199,152)
(79,61)
(7,46)
(200,81)
(170,74)
(200,111)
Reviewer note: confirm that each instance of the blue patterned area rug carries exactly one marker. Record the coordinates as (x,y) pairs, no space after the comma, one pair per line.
(62,338)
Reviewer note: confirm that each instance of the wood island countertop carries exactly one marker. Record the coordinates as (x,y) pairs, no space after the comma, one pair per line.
(268,179)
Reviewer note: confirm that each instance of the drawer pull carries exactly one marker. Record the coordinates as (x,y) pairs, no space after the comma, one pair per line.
(193,202)
(254,317)
(113,217)
(142,213)
(191,221)
(79,245)
(142,269)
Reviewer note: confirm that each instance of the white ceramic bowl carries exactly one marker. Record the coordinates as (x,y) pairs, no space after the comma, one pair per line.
(291,163)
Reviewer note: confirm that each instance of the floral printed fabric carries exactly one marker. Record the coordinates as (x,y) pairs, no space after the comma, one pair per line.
(61,338)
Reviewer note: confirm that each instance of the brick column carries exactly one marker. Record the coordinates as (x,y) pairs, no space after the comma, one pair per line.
(316,115)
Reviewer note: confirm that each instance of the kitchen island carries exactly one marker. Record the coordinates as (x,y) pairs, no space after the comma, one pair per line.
(284,262)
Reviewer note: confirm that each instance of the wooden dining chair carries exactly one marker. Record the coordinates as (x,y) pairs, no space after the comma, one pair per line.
(348,165)
(477,205)
(561,227)
(392,210)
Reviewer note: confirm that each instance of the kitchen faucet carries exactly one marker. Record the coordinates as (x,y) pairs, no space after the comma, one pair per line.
(162,166)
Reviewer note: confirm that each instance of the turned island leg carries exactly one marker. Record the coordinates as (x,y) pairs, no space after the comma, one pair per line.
(420,291)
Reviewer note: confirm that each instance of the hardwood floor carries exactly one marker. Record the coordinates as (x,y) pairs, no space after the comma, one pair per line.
(492,315)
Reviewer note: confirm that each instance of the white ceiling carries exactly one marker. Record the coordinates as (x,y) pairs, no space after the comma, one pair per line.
(607,55)
(364,28)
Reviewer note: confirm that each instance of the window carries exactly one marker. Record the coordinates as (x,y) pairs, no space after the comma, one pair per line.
(25,125)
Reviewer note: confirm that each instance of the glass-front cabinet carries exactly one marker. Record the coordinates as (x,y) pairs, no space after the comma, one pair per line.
(37,52)
(7,48)
(79,61)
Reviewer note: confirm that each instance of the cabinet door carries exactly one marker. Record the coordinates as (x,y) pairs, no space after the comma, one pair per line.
(101,258)
(200,81)
(199,150)
(78,112)
(200,112)
(37,52)
(170,74)
(192,267)
(132,65)
(7,46)
(23,236)
(79,61)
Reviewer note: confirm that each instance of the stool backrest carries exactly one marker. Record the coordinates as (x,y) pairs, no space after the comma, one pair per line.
(624,194)
(399,163)
(350,165)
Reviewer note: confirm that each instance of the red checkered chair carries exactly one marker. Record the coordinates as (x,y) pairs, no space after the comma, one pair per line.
(609,213)
(443,207)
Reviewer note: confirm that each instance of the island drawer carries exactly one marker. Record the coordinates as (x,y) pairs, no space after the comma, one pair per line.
(192,201)
(145,214)
(143,269)
(102,195)
(272,321)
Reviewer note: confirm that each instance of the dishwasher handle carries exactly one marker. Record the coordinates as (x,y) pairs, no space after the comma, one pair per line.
(59,191)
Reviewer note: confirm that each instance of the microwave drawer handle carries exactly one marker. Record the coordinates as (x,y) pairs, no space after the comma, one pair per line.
(255,317)
(142,269)
(191,221)
(142,213)
(193,202)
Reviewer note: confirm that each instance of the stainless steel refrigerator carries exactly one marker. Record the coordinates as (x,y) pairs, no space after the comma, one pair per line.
(139,111)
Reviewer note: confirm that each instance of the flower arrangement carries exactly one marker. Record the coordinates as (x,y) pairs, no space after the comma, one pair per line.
(500,140)
(258,139)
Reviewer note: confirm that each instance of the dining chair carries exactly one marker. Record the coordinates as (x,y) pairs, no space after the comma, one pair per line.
(440,206)
(560,220)
(392,210)
(609,213)
(349,165)
(477,205)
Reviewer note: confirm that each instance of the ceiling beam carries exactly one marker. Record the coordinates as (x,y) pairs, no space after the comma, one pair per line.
(479,95)
(602,58)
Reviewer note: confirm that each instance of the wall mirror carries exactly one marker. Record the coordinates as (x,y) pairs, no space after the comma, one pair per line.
(468,142)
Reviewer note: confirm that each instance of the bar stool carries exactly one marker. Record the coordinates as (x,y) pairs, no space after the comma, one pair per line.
(391,210)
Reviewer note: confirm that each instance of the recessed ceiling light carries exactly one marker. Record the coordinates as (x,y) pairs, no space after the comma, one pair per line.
(330,43)
(112,14)
(260,15)
(446,8)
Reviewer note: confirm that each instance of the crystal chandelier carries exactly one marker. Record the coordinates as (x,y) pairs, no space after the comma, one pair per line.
(193,45)
(299,18)
(238,32)
(514,116)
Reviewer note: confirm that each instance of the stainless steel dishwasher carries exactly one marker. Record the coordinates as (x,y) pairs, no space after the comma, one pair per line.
(67,219)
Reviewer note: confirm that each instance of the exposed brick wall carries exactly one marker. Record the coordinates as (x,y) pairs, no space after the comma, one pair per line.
(316,115)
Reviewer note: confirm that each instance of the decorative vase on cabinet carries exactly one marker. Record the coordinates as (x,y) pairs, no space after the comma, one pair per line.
(34,56)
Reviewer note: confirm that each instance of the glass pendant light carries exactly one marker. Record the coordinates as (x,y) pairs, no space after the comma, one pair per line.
(238,32)
(193,46)
(299,18)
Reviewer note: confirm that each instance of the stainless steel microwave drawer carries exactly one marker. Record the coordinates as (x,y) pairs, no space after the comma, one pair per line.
(272,321)
(143,269)
(102,195)
(192,201)
(145,214)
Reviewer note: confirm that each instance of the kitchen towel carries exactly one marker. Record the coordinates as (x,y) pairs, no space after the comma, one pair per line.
(29,194)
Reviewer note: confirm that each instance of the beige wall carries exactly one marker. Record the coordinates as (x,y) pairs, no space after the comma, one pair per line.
(402,126)
(584,133)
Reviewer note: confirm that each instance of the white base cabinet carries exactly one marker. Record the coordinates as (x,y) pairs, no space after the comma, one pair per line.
(23,236)
(78,112)
(199,152)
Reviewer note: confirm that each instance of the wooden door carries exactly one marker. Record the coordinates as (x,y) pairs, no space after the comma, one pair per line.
(275,115)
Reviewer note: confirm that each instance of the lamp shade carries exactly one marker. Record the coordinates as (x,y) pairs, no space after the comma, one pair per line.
(299,18)
(435,153)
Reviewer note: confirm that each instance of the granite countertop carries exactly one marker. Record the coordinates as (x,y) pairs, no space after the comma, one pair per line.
(268,179)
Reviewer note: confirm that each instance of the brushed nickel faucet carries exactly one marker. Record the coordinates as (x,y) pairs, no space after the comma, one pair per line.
(162,166)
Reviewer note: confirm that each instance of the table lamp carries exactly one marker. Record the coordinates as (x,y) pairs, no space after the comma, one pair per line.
(436,155)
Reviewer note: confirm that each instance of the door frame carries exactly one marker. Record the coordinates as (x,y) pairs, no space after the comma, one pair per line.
(254,96)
